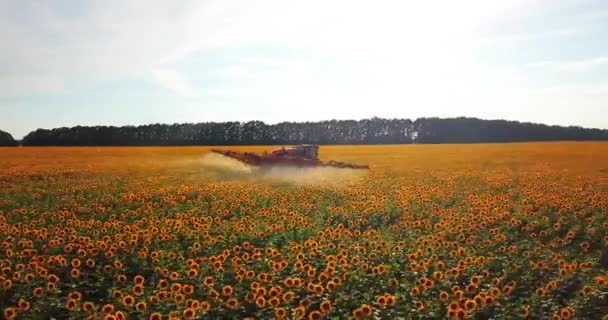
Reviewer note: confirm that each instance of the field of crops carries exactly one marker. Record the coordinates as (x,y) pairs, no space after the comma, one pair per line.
(501,231)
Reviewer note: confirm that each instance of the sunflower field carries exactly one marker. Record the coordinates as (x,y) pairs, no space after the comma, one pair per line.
(487,231)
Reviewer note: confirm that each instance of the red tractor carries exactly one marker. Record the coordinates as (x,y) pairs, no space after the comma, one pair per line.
(300,156)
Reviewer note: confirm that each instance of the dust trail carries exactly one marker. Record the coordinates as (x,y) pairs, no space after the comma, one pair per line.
(298,176)
(217,161)
(312,176)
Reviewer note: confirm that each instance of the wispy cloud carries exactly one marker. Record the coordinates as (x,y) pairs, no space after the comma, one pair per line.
(110,39)
(571,65)
(14,85)
(47,47)
(261,67)
(172,81)
(527,37)
(580,89)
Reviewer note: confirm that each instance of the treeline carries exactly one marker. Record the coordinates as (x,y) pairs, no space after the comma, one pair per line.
(6,140)
(367,131)
(473,130)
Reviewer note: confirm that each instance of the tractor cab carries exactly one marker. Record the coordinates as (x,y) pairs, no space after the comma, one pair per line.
(310,151)
(302,151)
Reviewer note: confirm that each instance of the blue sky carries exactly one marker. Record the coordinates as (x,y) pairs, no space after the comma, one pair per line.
(65,63)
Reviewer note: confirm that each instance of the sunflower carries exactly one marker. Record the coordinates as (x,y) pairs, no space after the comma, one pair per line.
(24,305)
(10,313)
(141,306)
(75,295)
(128,300)
(227,291)
(470,305)
(274,301)
(260,302)
(139,279)
(189,313)
(298,312)
(107,309)
(280,313)
(232,303)
(71,304)
(205,306)
(88,307)
(138,289)
(208,281)
(155,316)
(325,307)
(315,315)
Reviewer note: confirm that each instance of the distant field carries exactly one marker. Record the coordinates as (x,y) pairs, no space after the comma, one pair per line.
(431,231)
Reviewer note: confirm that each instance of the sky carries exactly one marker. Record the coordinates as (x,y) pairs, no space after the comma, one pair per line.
(110,62)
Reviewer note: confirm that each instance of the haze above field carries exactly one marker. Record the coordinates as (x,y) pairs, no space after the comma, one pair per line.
(68,63)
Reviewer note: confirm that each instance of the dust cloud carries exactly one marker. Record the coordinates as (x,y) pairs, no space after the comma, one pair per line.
(297,176)
(311,176)
(216,161)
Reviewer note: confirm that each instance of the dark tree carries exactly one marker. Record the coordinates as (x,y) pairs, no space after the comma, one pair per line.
(6,140)
(473,130)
